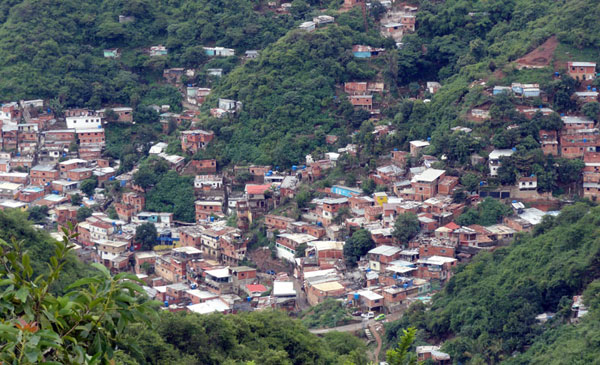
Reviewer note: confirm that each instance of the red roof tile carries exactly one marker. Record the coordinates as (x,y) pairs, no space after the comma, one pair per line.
(256,288)
(257,189)
(452,226)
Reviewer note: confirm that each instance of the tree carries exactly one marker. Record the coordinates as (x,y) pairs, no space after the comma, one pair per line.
(301,250)
(174,194)
(145,178)
(146,234)
(299,8)
(470,181)
(88,185)
(112,213)
(377,10)
(76,199)
(110,115)
(591,110)
(368,186)
(84,326)
(406,227)
(357,246)
(144,114)
(402,354)
(83,213)
(303,197)
(147,267)
(38,213)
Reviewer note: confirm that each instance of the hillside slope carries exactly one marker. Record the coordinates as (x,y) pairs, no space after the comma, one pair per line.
(54,49)
(487,310)
(289,95)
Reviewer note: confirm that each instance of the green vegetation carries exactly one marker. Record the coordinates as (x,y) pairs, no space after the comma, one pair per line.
(146,235)
(288,95)
(489,211)
(40,247)
(330,313)
(83,213)
(406,227)
(54,308)
(357,246)
(173,194)
(265,337)
(54,50)
(402,354)
(487,310)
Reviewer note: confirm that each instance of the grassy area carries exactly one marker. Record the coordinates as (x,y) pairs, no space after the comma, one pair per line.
(565,52)
(330,313)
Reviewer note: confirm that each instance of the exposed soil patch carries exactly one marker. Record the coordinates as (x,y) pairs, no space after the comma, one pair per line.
(541,56)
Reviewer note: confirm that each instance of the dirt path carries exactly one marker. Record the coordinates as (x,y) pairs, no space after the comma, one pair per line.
(378,339)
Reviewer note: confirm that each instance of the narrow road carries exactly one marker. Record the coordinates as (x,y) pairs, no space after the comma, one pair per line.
(355,326)
(347,328)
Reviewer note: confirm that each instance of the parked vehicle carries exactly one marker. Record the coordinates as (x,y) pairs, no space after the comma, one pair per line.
(368,315)
(380,317)
(357,313)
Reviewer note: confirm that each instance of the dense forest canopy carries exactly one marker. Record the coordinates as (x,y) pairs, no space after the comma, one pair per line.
(289,99)
(51,49)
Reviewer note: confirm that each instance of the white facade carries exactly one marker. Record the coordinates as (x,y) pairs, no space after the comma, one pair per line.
(494,160)
(84,122)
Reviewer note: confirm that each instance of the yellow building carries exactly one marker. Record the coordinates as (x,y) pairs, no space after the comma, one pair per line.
(381,198)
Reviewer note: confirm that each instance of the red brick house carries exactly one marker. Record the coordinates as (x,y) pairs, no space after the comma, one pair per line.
(79,174)
(42,174)
(355,88)
(447,185)
(204,209)
(425,184)
(581,70)
(131,204)
(380,257)
(362,101)
(91,136)
(205,166)
(278,222)
(549,142)
(194,140)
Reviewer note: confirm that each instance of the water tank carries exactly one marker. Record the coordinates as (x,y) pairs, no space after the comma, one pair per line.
(514,148)
(294,167)
(428,139)
(395,149)
(556,74)
(589,87)
(249,299)
(356,296)
(166,303)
